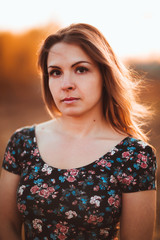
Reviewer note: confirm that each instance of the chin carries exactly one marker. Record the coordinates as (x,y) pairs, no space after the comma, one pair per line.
(72,113)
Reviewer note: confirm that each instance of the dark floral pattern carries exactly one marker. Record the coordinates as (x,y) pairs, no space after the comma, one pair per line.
(81,203)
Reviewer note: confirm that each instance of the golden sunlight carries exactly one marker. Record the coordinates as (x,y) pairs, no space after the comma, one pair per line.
(131,27)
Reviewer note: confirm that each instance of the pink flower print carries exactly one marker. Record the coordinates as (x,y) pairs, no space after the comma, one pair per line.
(112,179)
(119,178)
(114,201)
(95,200)
(92,219)
(140,155)
(23,153)
(96,188)
(71,179)
(117,203)
(35,153)
(37,224)
(53,180)
(108,164)
(130,178)
(104,232)
(9,158)
(111,201)
(56,231)
(74,172)
(21,207)
(74,202)
(144,158)
(44,193)
(127,180)
(138,160)
(100,219)
(70,214)
(64,229)
(66,173)
(130,169)
(51,189)
(34,189)
(62,236)
(125,154)
(91,172)
(144,165)
(54,196)
(45,185)
(58,225)
(61,230)
(102,162)
(26,178)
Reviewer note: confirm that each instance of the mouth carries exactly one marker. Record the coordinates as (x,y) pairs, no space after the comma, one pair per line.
(70,100)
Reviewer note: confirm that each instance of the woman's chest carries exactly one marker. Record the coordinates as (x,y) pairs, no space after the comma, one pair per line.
(75,194)
(68,154)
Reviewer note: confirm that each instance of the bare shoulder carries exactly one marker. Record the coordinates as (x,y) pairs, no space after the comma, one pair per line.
(113,136)
(46,132)
(48,126)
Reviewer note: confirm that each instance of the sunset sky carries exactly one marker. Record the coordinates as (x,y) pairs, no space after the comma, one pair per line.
(130,26)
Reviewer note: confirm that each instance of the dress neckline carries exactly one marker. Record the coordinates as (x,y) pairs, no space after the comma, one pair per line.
(76,168)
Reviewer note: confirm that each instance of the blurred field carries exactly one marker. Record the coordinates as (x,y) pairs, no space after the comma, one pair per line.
(20,94)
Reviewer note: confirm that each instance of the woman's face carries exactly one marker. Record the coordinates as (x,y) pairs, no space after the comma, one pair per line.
(75,81)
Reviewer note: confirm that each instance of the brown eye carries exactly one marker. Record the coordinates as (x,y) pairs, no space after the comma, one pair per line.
(81,69)
(55,73)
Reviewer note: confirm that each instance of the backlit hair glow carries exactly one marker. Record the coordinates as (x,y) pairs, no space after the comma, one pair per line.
(120,105)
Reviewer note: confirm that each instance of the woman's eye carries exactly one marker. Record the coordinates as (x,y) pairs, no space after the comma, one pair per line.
(81,69)
(55,73)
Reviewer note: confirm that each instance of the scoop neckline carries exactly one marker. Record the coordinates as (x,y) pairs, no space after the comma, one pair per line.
(75,168)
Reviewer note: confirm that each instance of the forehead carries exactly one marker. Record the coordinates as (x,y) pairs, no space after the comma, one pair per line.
(67,52)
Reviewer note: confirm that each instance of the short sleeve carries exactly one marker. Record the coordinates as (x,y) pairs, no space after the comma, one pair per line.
(138,172)
(11,161)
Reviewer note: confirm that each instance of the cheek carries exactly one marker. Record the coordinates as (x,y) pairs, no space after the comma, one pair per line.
(52,88)
(54,92)
(98,86)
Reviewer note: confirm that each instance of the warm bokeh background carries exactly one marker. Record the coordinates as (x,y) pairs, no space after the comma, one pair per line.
(20,92)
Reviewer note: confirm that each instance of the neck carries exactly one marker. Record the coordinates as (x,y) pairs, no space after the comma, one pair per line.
(82,126)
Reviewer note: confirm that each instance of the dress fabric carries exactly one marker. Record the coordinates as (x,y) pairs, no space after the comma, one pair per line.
(79,203)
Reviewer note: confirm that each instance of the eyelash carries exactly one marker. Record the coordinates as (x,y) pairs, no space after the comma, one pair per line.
(51,73)
(81,70)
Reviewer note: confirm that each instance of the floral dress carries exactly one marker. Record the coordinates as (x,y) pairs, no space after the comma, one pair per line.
(79,203)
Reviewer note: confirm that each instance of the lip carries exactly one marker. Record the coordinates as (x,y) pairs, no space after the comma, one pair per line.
(70,99)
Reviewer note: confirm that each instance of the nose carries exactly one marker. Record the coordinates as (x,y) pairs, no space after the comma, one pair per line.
(67,82)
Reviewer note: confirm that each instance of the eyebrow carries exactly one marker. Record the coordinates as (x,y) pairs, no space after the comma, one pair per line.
(72,64)
(79,63)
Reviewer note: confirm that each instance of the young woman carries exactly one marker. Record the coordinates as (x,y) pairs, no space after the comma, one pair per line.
(89,169)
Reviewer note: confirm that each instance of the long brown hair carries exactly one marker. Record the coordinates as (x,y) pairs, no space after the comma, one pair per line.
(120,106)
